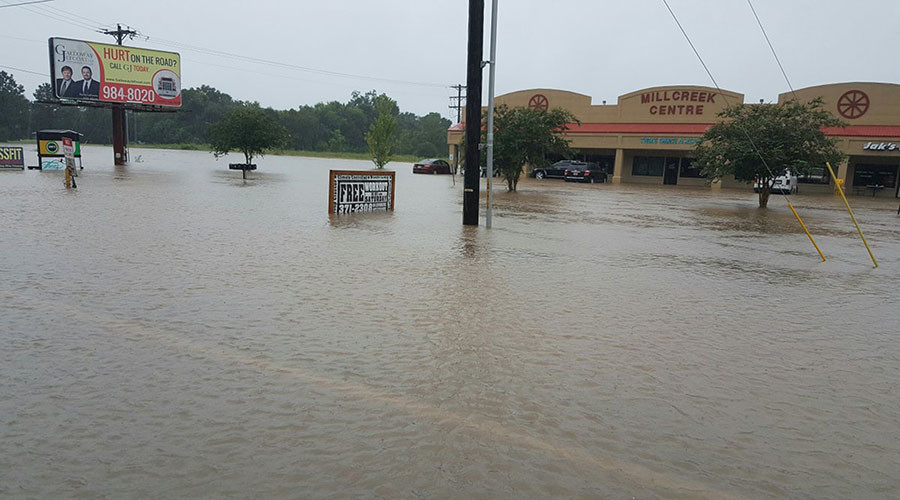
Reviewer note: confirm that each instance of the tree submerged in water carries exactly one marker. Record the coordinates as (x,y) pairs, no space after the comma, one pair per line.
(788,136)
(524,136)
(247,130)
(382,135)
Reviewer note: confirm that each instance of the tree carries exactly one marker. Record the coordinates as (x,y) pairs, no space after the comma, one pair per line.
(382,135)
(788,136)
(14,109)
(524,136)
(247,129)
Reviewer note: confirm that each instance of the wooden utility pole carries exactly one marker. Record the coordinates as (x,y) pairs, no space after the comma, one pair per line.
(119,120)
(457,102)
(472,181)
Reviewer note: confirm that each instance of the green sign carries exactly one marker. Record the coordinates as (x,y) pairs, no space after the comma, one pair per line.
(673,141)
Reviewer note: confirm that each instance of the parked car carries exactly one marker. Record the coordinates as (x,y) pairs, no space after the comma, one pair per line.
(783,184)
(483,171)
(555,171)
(432,166)
(587,172)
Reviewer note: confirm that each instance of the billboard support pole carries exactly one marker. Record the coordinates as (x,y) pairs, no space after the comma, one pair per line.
(120,141)
(120,121)
(472,183)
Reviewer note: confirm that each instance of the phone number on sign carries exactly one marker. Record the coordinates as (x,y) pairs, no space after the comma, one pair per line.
(128,94)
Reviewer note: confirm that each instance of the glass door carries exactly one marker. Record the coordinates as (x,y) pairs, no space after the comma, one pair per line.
(670,174)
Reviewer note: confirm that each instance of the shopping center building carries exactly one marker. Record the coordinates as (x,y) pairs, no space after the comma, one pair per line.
(649,136)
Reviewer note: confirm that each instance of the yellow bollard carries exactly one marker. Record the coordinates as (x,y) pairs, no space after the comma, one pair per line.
(847,204)
(838,186)
(68,179)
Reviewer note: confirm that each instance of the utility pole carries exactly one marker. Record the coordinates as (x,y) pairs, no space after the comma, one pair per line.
(472,181)
(120,123)
(458,106)
(490,119)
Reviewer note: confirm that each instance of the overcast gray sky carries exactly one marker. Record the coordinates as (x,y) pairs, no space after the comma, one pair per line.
(600,48)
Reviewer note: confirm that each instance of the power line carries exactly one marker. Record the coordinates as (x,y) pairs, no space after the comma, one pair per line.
(24,3)
(220,53)
(55,14)
(721,92)
(23,70)
(39,10)
(773,49)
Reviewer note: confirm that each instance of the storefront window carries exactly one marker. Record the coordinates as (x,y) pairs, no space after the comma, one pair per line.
(875,175)
(689,170)
(815,176)
(648,165)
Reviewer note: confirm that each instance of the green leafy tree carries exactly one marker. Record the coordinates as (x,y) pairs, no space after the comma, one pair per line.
(326,126)
(787,135)
(382,135)
(248,130)
(337,141)
(14,109)
(524,136)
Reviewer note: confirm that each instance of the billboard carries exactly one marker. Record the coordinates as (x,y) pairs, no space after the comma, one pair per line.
(90,71)
(355,191)
(12,158)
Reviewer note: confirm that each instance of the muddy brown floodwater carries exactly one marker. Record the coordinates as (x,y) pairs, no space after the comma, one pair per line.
(169,331)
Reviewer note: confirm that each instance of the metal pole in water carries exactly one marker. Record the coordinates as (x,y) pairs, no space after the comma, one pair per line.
(805,229)
(853,217)
(490,118)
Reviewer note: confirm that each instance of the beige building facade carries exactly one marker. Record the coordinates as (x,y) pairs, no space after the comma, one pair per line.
(649,136)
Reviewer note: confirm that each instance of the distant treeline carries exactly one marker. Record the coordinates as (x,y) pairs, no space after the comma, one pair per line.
(333,126)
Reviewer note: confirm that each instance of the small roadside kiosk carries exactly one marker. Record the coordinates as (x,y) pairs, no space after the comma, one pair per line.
(50,150)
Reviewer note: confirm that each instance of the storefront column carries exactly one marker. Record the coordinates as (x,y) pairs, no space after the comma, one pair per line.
(618,166)
(842,170)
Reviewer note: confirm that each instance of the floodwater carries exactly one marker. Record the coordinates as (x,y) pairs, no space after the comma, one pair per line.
(170,331)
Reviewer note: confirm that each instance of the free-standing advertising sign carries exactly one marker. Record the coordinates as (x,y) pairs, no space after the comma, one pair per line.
(356,191)
(12,158)
(51,155)
(69,153)
(90,71)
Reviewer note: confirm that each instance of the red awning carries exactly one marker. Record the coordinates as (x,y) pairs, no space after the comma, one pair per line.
(864,131)
(892,131)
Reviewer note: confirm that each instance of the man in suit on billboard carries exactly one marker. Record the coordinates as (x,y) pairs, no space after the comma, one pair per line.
(65,86)
(88,87)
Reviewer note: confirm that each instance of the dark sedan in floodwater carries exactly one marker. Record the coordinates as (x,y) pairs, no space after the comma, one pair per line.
(557,170)
(432,166)
(586,172)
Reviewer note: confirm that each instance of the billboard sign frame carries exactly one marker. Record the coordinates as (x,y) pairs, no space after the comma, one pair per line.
(361,191)
(12,158)
(93,72)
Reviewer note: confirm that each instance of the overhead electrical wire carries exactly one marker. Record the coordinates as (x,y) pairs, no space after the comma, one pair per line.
(55,14)
(24,3)
(258,60)
(52,13)
(23,70)
(721,92)
(766,35)
(743,129)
